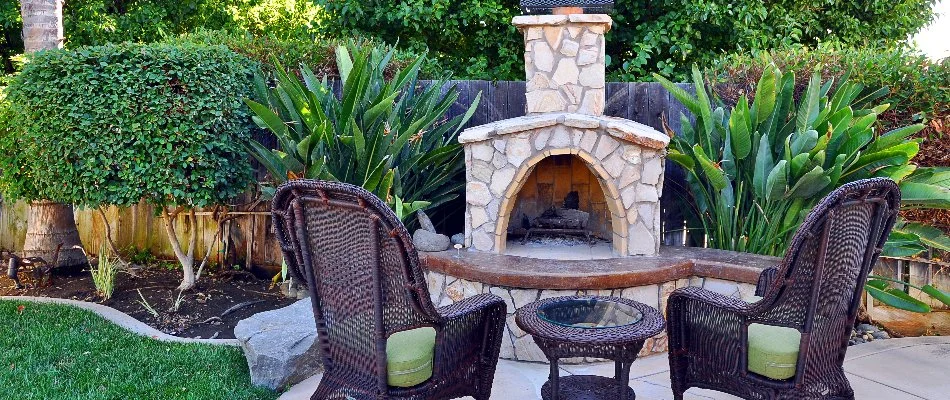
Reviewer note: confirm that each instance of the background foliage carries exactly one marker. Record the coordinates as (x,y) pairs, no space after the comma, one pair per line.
(118,123)
(475,40)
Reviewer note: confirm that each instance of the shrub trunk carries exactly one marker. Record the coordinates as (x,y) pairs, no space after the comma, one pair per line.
(50,224)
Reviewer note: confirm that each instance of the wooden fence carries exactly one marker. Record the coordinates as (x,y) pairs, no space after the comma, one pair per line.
(248,240)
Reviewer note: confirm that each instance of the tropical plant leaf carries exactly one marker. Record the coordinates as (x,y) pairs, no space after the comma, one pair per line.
(895,298)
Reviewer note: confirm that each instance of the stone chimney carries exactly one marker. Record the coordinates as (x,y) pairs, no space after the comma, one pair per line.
(564,62)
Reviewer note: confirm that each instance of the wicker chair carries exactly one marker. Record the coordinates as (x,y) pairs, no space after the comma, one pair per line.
(366,284)
(816,291)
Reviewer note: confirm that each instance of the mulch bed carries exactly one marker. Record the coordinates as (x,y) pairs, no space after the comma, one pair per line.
(210,310)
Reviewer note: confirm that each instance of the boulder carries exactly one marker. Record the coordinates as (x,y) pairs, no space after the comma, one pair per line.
(425,222)
(281,345)
(458,238)
(429,241)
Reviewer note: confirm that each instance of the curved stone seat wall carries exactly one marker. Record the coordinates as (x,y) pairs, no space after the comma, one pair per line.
(453,276)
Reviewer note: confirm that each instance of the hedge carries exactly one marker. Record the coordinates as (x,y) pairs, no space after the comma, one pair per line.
(115,124)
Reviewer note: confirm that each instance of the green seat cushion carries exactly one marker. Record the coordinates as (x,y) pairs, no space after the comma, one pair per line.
(409,356)
(773,350)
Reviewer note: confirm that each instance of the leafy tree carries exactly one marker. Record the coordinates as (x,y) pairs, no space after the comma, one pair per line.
(98,22)
(118,124)
(475,39)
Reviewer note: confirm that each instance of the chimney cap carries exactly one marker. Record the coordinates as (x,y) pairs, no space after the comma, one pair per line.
(546,6)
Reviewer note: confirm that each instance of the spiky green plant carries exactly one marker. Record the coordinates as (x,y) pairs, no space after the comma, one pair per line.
(755,171)
(388,135)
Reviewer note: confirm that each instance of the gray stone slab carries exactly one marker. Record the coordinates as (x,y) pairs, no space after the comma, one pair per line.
(918,368)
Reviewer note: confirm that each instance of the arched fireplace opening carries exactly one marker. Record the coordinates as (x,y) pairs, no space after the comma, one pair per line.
(560,212)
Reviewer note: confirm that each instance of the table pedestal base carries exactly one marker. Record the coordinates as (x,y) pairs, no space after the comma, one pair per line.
(588,387)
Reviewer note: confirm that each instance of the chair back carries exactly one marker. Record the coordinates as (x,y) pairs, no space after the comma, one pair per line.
(360,266)
(820,281)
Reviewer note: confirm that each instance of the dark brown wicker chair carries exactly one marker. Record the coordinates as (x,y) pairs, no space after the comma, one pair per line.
(816,290)
(366,284)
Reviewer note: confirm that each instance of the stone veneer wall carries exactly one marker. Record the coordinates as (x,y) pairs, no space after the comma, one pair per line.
(564,62)
(518,345)
(627,158)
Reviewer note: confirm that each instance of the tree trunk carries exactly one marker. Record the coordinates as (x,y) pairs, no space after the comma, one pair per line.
(49,224)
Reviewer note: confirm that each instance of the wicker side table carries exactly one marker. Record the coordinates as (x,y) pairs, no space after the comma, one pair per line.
(589,326)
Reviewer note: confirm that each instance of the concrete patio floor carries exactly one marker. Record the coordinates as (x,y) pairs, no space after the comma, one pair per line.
(894,369)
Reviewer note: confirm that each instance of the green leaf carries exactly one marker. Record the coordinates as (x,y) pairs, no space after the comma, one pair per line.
(895,298)
(688,100)
(715,174)
(344,63)
(811,183)
(763,165)
(938,294)
(777,181)
(765,94)
(739,130)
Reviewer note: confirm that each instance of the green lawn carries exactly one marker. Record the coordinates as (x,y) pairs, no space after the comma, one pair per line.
(60,352)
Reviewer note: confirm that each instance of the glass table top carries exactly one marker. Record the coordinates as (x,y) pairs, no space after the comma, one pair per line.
(589,313)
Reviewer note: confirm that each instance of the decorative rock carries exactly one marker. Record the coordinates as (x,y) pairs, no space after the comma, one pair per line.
(569,48)
(723,287)
(429,241)
(605,146)
(647,193)
(533,33)
(631,174)
(648,295)
(587,56)
(500,181)
(543,56)
(538,81)
(483,240)
(628,196)
(573,93)
(641,240)
(581,121)
(499,161)
(503,293)
(560,139)
(518,150)
(541,140)
(280,345)
(593,103)
(482,151)
(477,193)
(481,171)
(458,238)
(614,165)
(566,73)
(631,154)
(479,216)
(589,39)
(553,36)
(652,171)
(592,76)
(542,101)
(588,141)
(424,221)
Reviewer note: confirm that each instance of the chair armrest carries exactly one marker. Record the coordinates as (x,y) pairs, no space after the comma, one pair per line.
(766,278)
(706,327)
(473,325)
(471,304)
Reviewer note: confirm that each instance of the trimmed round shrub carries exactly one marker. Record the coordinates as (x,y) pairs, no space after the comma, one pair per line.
(116,124)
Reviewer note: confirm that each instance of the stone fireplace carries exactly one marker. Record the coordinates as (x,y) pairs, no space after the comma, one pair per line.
(564,161)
